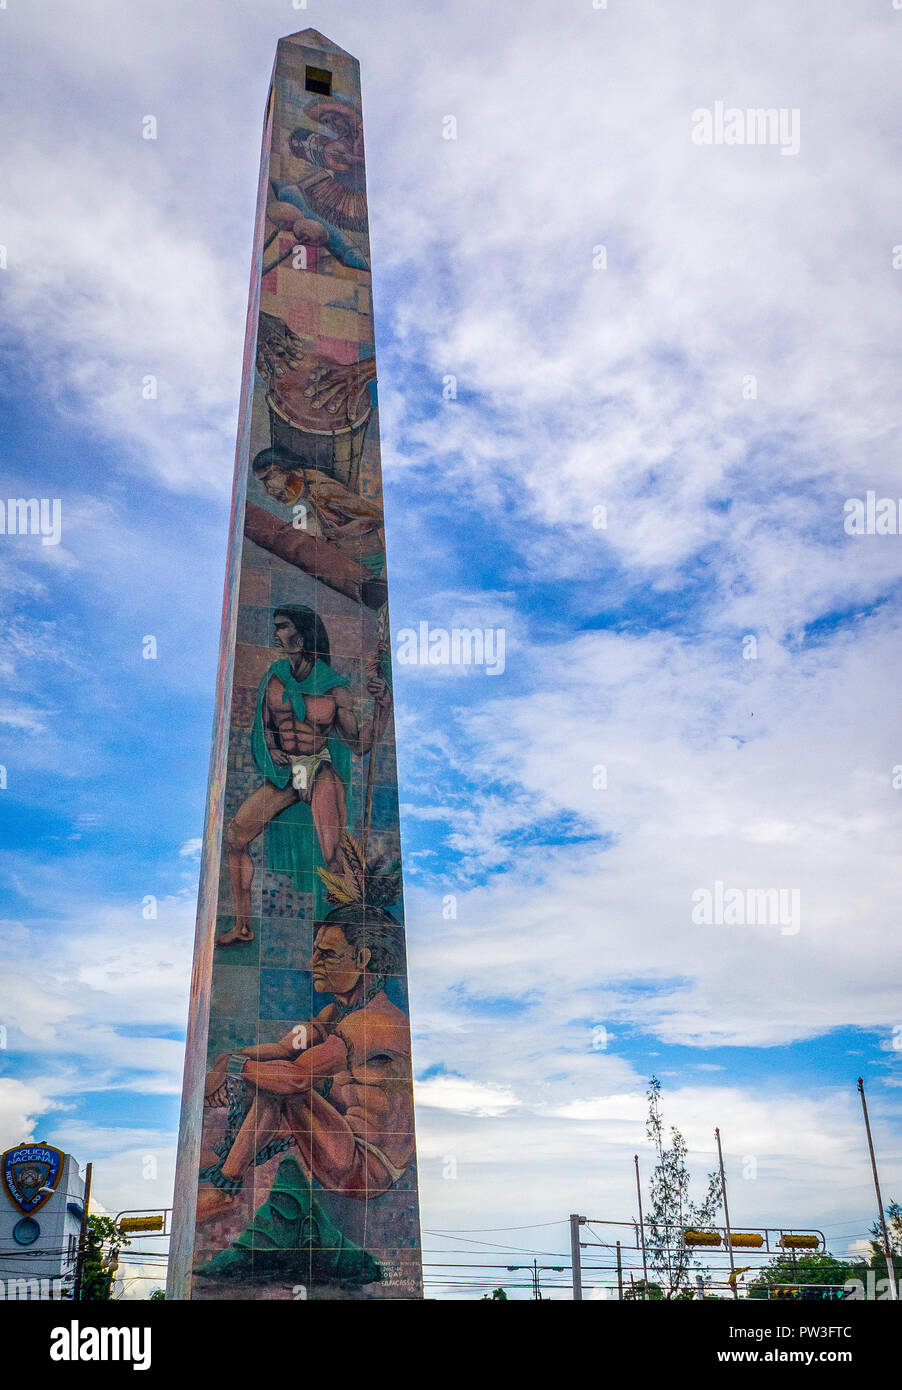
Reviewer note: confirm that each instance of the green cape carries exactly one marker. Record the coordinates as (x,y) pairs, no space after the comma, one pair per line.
(291,839)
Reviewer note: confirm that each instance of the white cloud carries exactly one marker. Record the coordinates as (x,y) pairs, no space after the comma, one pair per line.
(768,774)
(20,1104)
(466,1097)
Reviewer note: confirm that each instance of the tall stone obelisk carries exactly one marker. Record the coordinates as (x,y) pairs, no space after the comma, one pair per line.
(296,1173)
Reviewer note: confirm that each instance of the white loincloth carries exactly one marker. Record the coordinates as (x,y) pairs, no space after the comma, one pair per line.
(304,768)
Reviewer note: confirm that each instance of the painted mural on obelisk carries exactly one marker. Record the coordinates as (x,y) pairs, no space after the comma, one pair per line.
(296,1170)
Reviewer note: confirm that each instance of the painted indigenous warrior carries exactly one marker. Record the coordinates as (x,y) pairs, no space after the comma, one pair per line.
(304,731)
(352,521)
(336,1089)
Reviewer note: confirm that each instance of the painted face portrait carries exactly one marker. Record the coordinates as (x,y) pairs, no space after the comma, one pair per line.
(337,965)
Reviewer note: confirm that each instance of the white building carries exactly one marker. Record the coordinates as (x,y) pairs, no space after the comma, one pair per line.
(41,1203)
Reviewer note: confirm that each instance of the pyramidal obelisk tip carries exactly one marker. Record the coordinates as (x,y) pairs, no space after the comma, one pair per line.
(312,38)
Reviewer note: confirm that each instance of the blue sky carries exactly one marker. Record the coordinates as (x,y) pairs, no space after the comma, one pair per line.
(577,388)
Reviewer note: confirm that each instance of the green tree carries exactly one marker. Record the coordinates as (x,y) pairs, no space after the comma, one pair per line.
(102,1243)
(893,1214)
(672,1211)
(641,1290)
(158,1295)
(496,1296)
(807,1269)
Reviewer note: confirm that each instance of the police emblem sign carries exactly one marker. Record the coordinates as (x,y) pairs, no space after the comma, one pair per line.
(30,1174)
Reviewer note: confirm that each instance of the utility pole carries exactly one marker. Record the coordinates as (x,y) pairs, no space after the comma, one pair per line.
(641,1228)
(619,1274)
(83,1235)
(575,1258)
(726,1212)
(887,1248)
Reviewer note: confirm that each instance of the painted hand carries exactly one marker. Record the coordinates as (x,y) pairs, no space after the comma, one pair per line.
(339,390)
(380,691)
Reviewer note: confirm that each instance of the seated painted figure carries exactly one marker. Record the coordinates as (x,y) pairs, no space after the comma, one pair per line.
(337,1090)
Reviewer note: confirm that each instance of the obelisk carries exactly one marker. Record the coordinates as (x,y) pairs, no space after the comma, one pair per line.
(296,1172)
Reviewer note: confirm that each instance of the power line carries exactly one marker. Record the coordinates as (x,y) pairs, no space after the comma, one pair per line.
(486,1230)
(518,1249)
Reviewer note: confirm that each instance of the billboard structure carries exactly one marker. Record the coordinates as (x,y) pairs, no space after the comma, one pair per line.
(296,1174)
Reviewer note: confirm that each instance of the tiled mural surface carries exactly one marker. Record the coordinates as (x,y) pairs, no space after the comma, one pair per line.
(297,1128)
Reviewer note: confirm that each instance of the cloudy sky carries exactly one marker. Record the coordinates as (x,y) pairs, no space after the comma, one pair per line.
(675,364)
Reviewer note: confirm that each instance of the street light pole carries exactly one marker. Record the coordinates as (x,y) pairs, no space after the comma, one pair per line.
(726,1213)
(535,1270)
(641,1229)
(887,1248)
